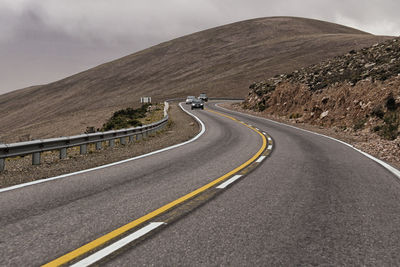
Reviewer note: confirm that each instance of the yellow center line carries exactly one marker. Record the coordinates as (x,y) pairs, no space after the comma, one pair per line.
(123,229)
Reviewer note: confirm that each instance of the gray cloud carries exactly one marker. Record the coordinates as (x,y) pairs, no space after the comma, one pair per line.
(42,41)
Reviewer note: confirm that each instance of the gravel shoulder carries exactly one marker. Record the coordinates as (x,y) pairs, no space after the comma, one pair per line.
(371,143)
(181,128)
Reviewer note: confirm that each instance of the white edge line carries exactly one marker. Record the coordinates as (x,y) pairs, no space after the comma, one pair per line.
(260,159)
(390,168)
(203,129)
(269,138)
(117,245)
(269,147)
(229,181)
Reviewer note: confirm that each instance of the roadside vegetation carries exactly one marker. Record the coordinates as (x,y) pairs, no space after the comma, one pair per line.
(129,117)
(181,127)
(389,121)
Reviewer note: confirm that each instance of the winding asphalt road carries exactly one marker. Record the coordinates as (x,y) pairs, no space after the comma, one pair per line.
(313,201)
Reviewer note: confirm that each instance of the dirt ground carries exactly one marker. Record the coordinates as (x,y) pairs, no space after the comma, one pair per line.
(181,127)
(369,142)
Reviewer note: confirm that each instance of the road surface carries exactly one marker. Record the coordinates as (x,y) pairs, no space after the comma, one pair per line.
(312,201)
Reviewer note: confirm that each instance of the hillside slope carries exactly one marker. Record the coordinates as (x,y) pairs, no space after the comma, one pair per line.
(221,61)
(361,88)
(355,96)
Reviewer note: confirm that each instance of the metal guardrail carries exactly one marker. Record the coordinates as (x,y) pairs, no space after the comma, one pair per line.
(36,147)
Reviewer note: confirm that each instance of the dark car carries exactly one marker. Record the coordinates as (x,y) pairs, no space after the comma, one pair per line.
(203,97)
(197,103)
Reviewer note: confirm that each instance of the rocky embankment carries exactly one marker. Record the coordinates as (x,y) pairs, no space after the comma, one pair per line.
(357,94)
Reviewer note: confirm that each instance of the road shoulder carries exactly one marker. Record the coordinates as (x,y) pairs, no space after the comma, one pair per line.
(387,151)
(181,127)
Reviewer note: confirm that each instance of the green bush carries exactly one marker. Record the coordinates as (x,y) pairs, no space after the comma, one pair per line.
(125,118)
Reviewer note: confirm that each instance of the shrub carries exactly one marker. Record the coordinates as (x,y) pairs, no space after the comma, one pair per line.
(295,116)
(359,124)
(259,92)
(378,112)
(391,103)
(377,128)
(391,118)
(126,118)
(390,130)
(261,106)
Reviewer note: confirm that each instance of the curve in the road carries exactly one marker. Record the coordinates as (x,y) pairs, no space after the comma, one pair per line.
(203,128)
(316,202)
(390,168)
(219,183)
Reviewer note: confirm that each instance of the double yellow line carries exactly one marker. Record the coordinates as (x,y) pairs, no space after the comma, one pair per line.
(123,229)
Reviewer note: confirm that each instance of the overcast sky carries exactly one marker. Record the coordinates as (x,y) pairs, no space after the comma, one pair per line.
(46,40)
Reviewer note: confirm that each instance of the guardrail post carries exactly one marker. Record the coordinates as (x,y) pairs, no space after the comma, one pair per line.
(63,153)
(111,143)
(98,145)
(2,164)
(122,141)
(83,140)
(83,149)
(36,158)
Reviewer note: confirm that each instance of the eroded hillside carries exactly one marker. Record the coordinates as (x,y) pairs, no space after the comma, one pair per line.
(357,94)
(358,90)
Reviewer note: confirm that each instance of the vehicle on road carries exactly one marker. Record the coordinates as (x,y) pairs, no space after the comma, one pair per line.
(197,103)
(190,99)
(203,97)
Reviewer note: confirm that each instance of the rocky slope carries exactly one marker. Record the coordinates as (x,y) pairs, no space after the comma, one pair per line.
(357,94)
(376,63)
(360,89)
(220,62)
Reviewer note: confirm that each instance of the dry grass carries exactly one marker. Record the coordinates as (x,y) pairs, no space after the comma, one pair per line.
(222,61)
(156,114)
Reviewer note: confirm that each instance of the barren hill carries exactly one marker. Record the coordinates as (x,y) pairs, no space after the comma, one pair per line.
(221,61)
